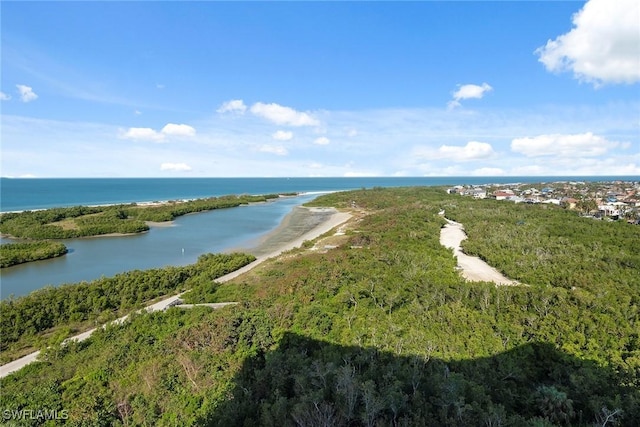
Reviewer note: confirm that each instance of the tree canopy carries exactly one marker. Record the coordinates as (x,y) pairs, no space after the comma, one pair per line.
(380,330)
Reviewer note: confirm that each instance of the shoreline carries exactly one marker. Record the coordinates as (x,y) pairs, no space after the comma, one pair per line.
(165,202)
(281,240)
(310,223)
(296,224)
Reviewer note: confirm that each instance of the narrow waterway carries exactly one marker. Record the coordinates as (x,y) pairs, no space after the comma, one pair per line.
(179,244)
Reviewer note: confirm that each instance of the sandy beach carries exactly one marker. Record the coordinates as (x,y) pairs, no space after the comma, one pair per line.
(296,224)
(301,224)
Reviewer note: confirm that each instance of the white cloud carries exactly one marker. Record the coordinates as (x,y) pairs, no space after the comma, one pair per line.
(473,150)
(282,135)
(563,145)
(26,93)
(273,149)
(281,115)
(4,96)
(387,143)
(233,106)
(175,167)
(142,134)
(603,47)
(173,129)
(352,132)
(148,134)
(323,140)
(469,91)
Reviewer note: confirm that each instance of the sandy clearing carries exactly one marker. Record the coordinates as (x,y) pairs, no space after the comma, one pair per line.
(336,219)
(472,268)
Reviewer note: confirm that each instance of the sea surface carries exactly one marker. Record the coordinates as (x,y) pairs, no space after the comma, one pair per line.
(34,193)
(191,235)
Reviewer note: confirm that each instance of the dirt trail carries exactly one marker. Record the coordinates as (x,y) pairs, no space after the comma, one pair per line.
(473,268)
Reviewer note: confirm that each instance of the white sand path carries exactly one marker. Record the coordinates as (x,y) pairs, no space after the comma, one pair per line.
(473,268)
(335,220)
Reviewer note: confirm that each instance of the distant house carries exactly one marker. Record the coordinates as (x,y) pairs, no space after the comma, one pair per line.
(476,193)
(609,210)
(547,190)
(569,202)
(502,195)
(455,190)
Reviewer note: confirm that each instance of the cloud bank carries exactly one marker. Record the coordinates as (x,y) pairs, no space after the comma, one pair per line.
(572,145)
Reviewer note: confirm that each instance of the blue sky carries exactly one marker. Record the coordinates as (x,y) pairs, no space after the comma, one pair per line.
(153,89)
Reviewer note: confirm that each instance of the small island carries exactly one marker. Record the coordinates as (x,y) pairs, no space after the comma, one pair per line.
(19,253)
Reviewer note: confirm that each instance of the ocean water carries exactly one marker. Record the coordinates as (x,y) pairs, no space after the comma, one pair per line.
(214,231)
(25,194)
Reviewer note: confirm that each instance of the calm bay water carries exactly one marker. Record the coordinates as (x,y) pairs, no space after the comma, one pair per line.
(214,231)
(92,258)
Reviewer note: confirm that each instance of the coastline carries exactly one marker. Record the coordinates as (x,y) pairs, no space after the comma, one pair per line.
(298,226)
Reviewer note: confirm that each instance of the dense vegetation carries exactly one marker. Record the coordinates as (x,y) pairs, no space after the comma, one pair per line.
(18,253)
(545,245)
(379,331)
(65,223)
(82,221)
(89,303)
